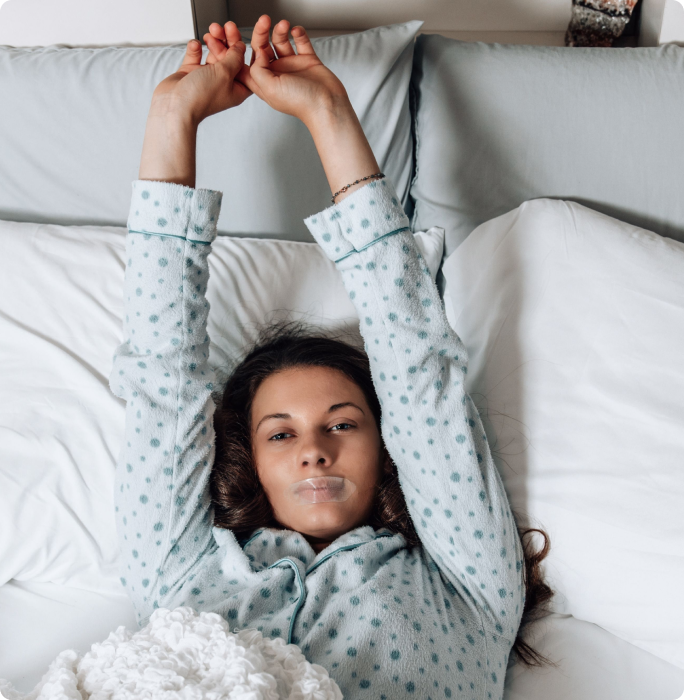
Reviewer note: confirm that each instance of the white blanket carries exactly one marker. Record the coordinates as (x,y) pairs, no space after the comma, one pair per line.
(181,655)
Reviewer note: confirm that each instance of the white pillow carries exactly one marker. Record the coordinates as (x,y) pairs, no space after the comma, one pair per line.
(70,111)
(61,310)
(574,325)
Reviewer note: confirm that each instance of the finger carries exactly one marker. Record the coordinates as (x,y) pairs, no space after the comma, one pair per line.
(260,36)
(193,54)
(210,56)
(281,40)
(241,91)
(216,30)
(232,33)
(217,49)
(208,39)
(302,41)
(234,36)
(244,76)
(234,58)
(260,71)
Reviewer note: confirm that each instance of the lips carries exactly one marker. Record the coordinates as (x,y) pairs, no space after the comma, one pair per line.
(325,490)
(321,489)
(321,484)
(326,493)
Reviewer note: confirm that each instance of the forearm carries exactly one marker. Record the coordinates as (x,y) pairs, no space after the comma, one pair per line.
(169,147)
(342,146)
(430,425)
(161,370)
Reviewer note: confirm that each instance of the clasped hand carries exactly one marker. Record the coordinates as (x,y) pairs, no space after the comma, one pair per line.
(297,84)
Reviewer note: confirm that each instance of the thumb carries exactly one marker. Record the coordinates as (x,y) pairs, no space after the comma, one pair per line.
(234,58)
(260,69)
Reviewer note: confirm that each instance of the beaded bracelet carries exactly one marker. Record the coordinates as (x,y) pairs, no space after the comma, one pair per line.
(346,187)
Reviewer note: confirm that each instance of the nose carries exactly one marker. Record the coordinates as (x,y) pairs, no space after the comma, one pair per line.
(320,460)
(315,453)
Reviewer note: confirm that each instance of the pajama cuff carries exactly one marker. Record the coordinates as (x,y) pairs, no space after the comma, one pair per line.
(366,215)
(170,209)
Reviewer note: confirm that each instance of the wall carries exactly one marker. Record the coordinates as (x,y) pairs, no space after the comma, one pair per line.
(159,22)
(151,22)
(95,22)
(672,28)
(439,15)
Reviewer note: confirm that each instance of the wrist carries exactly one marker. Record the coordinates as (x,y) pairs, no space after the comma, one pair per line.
(342,147)
(168,153)
(167,109)
(336,112)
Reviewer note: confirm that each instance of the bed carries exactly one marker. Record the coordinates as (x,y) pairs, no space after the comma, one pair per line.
(547,198)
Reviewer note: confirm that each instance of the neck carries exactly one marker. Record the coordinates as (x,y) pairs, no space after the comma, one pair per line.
(317,545)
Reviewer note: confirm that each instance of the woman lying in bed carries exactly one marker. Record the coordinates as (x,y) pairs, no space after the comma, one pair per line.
(345,502)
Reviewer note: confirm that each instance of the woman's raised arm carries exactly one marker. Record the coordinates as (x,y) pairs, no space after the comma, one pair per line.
(430,426)
(163,505)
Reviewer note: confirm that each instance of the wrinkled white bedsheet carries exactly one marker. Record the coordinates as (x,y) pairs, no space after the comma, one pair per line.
(183,655)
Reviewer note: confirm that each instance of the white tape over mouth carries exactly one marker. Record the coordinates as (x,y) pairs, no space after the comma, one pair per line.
(322,489)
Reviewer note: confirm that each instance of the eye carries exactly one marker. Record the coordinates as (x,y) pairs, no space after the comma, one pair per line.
(349,425)
(277,435)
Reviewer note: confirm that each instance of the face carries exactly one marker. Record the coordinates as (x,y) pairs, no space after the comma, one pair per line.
(309,422)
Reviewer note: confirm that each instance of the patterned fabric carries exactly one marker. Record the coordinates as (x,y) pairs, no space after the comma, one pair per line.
(433,621)
(598,22)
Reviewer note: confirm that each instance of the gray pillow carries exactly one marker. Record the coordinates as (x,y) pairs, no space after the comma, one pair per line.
(497,125)
(73,120)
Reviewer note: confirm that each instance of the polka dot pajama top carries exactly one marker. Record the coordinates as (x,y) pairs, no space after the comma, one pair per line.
(387,621)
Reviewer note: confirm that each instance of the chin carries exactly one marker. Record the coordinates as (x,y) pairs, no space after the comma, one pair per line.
(325,519)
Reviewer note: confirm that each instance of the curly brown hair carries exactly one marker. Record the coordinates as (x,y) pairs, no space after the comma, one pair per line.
(239,500)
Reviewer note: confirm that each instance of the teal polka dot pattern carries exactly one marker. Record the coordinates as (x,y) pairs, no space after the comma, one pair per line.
(386,621)
(354,223)
(180,211)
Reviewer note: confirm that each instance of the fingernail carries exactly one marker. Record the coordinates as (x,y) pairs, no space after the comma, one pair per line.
(195,45)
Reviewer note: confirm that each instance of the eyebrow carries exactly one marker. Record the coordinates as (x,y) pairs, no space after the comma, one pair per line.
(332,409)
